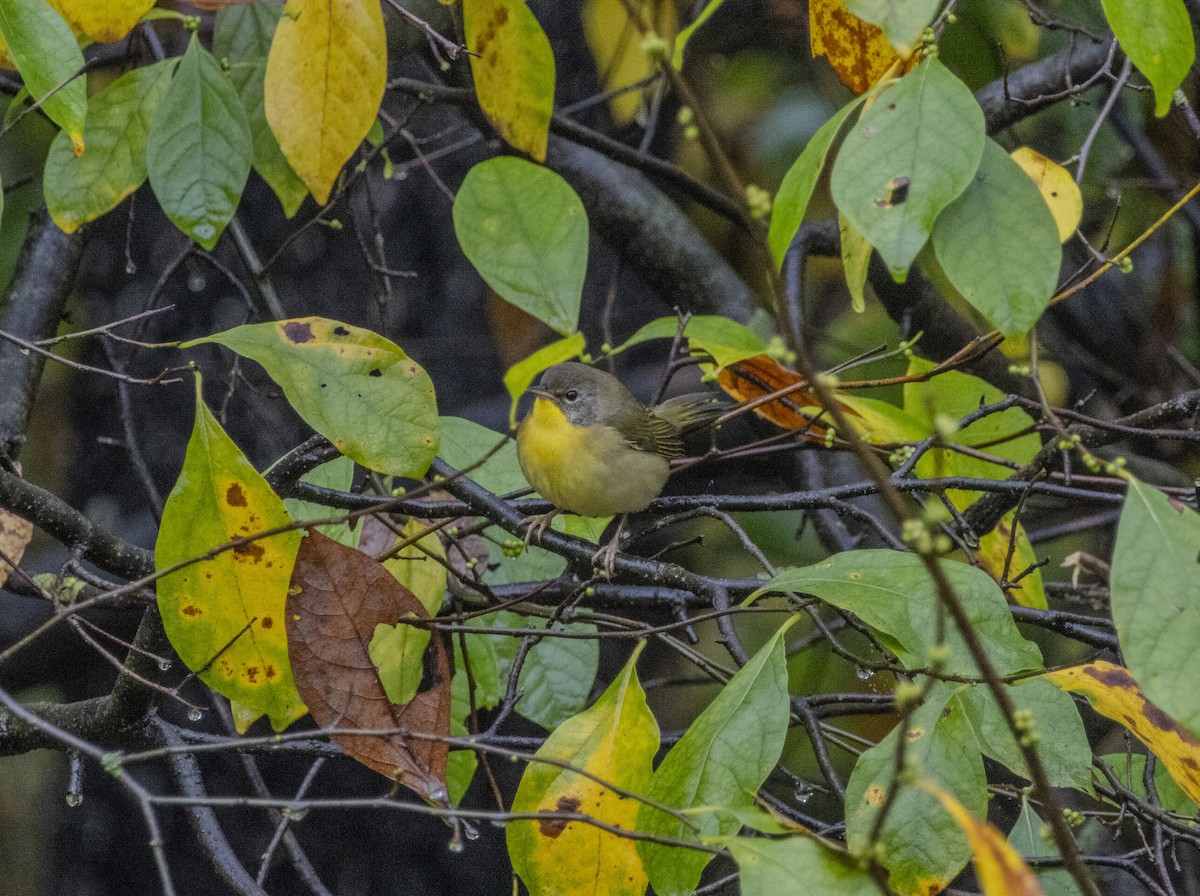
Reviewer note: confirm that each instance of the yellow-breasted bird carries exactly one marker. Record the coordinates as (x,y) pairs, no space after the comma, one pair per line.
(589,447)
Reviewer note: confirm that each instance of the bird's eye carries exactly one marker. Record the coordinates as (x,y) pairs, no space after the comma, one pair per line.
(571,395)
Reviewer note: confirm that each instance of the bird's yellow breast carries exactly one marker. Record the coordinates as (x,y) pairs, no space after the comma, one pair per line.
(589,470)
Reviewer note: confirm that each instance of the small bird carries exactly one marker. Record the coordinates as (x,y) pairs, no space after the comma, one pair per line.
(589,447)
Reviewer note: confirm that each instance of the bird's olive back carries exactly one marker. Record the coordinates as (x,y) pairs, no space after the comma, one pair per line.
(589,397)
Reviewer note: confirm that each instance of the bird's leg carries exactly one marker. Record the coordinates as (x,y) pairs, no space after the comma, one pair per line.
(607,555)
(540,523)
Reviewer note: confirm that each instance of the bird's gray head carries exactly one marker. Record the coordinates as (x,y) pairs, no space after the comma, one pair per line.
(585,395)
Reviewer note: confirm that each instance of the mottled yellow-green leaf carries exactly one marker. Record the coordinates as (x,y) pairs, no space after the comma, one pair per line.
(513,68)
(225,615)
(102,20)
(614,741)
(325,79)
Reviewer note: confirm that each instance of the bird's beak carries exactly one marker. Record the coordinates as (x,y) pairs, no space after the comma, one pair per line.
(539,393)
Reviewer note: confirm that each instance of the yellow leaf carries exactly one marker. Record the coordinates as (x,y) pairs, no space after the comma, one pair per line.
(1057,186)
(993,552)
(1113,693)
(326,73)
(617,48)
(102,20)
(615,741)
(999,867)
(513,68)
(857,50)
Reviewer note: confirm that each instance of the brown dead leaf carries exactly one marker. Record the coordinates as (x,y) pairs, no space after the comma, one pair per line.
(338,597)
(758,376)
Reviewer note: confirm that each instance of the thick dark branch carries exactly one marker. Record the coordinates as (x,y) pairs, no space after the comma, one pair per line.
(32,310)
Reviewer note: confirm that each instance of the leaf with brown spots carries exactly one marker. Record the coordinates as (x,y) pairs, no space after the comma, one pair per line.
(615,740)
(338,597)
(857,50)
(359,390)
(1113,693)
(999,867)
(222,614)
(513,68)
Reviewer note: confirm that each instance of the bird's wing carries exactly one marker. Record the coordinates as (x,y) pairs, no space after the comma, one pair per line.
(650,432)
(690,411)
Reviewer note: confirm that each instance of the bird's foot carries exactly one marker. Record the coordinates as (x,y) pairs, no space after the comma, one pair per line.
(539,524)
(606,557)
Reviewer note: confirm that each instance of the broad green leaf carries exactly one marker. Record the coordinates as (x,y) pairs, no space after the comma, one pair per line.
(558,674)
(892,592)
(325,78)
(724,340)
(465,442)
(359,390)
(922,847)
(397,652)
(614,741)
(1114,694)
(902,22)
(1027,838)
(225,615)
(103,21)
(721,760)
(512,64)
(877,422)
(998,244)
(79,189)
(46,54)
(242,38)
(1156,599)
(526,232)
(1058,189)
(1130,769)
(791,202)
(773,867)
(337,474)
(198,150)
(908,157)
(1055,718)
(521,375)
(1157,35)
(686,34)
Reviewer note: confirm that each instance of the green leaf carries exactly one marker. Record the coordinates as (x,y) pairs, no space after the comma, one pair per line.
(47,55)
(79,189)
(526,232)
(724,340)
(1156,600)
(909,156)
(225,615)
(1026,838)
(397,652)
(199,148)
(892,592)
(485,674)
(721,760)
(614,741)
(359,390)
(791,202)
(242,38)
(558,674)
(464,442)
(337,474)
(1055,719)
(1157,35)
(772,867)
(521,375)
(685,35)
(902,23)
(922,847)
(998,244)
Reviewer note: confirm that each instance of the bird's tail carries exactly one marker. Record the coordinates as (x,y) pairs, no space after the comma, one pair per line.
(692,411)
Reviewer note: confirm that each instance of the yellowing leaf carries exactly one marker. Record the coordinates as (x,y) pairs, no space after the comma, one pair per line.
(1113,693)
(615,741)
(513,68)
(102,20)
(616,47)
(418,567)
(225,615)
(999,867)
(1057,187)
(857,50)
(15,535)
(326,73)
(856,260)
(993,552)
